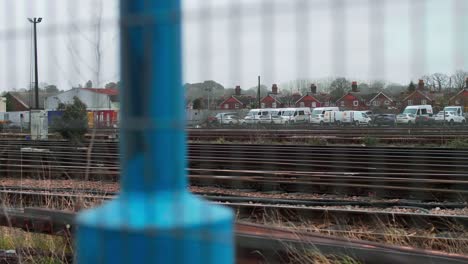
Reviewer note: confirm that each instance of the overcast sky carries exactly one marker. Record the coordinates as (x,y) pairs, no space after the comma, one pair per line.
(234,41)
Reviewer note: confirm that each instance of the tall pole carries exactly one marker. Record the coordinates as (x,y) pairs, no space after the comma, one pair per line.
(36,21)
(258,93)
(155,219)
(36,75)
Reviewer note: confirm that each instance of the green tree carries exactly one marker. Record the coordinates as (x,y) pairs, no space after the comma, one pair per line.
(411,87)
(89,84)
(73,124)
(112,85)
(51,89)
(198,104)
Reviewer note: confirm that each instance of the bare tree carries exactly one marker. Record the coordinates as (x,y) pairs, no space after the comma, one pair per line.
(377,86)
(458,79)
(339,87)
(299,85)
(440,80)
(429,82)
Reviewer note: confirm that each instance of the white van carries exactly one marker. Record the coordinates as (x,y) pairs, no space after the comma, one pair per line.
(408,117)
(271,116)
(318,114)
(252,117)
(333,117)
(262,116)
(453,115)
(295,115)
(356,118)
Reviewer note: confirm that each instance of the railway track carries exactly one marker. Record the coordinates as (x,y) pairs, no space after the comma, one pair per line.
(334,212)
(336,135)
(254,243)
(417,173)
(330,134)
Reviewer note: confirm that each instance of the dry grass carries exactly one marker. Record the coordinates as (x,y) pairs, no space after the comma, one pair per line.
(54,249)
(453,240)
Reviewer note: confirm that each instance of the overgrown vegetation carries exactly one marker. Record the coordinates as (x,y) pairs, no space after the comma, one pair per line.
(73,124)
(370,141)
(458,143)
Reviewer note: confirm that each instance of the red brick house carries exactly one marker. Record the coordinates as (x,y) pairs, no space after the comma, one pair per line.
(312,99)
(273,99)
(355,100)
(382,101)
(461,98)
(236,101)
(419,97)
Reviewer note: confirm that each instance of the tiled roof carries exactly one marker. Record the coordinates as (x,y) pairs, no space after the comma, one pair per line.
(363,96)
(28,98)
(112,93)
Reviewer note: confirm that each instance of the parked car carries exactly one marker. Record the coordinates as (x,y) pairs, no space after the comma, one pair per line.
(408,117)
(384,120)
(262,116)
(229,118)
(425,120)
(450,118)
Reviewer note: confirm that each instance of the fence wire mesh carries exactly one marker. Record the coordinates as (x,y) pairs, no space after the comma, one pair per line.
(318,117)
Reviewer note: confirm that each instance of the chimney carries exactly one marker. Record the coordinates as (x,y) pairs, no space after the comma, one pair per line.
(313,88)
(354,87)
(421,85)
(238,90)
(274,89)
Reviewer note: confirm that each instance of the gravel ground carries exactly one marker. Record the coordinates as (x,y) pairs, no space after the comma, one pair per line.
(114,187)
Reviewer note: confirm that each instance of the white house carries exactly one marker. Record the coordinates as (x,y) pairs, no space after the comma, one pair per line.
(95,99)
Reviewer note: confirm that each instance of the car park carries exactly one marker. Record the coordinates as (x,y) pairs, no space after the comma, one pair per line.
(384,120)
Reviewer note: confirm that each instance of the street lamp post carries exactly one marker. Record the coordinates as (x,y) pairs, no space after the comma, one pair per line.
(36,21)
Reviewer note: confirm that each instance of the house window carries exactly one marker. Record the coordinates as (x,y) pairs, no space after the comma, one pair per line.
(226,106)
(237,106)
(423,101)
(301,104)
(342,103)
(262,105)
(273,105)
(314,104)
(457,102)
(327,103)
(376,103)
(356,103)
(410,102)
(387,102)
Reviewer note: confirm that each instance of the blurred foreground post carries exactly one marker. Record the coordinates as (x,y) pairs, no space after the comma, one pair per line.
(155,219)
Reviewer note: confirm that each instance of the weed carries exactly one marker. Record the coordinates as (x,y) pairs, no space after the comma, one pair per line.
(458,143)
(220,140)
(370,141)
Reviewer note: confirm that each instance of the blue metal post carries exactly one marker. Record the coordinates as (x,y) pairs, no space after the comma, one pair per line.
(155,219)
